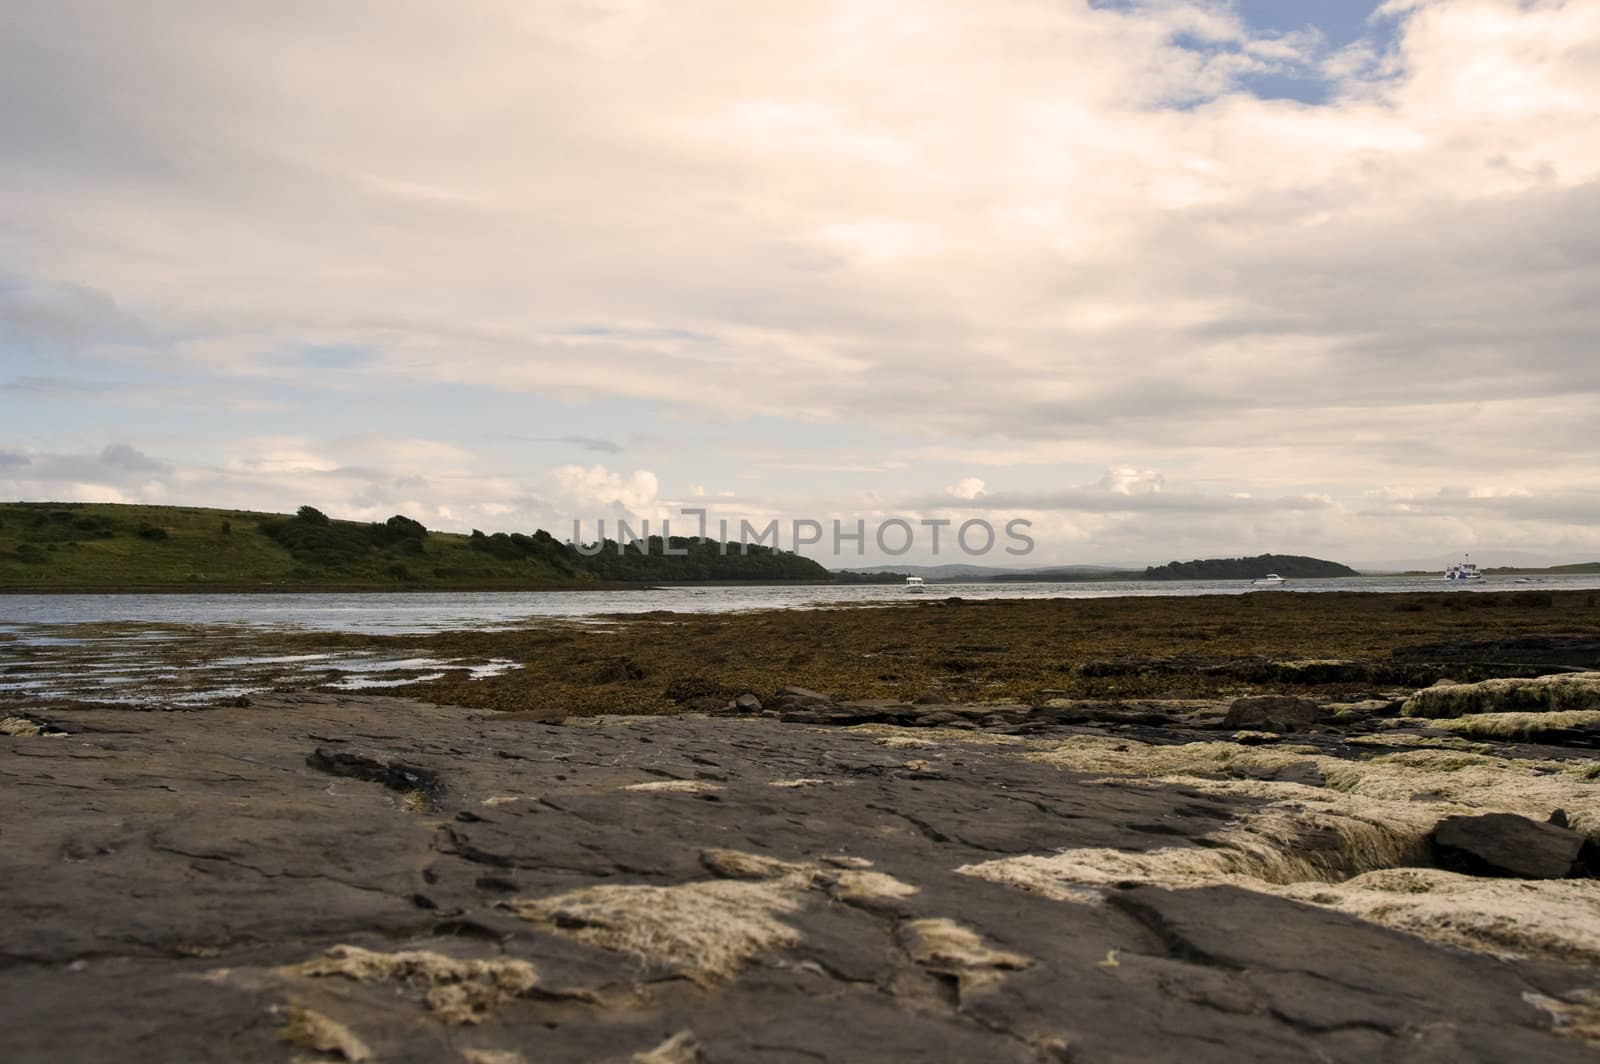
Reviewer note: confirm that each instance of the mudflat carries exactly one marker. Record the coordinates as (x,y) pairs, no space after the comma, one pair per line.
(1140,845)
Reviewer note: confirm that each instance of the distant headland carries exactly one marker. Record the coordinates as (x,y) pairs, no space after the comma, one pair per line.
(108,546)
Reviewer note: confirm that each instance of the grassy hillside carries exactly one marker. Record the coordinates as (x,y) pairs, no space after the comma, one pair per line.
(81,546)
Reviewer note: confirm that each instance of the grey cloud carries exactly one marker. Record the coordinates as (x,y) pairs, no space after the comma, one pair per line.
(596,444)
(589,443)
(1569,507)
(1100,501)
(128,459)
(116,464)
(56,387)
(56,318)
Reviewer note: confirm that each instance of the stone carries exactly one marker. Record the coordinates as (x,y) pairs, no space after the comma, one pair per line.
(1305,773)
(802,697)
(1504,844)
(1278,713)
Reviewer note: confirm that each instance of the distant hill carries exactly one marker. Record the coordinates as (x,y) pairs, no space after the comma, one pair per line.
(869,576)
(87,546)
(1485,557)
(1577,569)
(1290,566)
(1069,574)
(930,572)
(976,574)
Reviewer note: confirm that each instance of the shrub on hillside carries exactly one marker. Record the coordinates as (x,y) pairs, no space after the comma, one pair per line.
(516,546)
(315,540)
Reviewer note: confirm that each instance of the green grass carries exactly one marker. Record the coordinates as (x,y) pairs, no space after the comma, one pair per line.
(105,546)
(87,546)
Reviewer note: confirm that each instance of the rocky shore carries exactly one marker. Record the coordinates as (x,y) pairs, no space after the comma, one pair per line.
(787,875)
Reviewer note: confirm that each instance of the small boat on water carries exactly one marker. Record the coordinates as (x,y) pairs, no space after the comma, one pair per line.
(1463,570)
(915,585)
(1270,580)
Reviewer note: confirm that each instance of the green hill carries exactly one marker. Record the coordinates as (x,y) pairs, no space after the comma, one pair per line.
(1575,569)
(86,546)
(1290,566)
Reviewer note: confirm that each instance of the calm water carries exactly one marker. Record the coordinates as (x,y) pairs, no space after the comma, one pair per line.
(423,612)
(128,649)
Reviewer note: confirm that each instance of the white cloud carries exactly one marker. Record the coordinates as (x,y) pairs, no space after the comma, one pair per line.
(966,488)
(1038,235)
(600,492)
(1125,480)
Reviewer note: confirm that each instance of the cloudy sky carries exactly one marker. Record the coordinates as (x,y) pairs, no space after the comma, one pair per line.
(1169,278)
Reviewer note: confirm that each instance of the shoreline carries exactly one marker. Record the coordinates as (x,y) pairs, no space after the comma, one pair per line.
(898,647)
(1426,584)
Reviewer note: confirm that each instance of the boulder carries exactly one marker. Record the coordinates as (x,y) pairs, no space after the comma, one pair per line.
(1504,844)
(747,703)
(796,697)
(1278,713)
(1305,773)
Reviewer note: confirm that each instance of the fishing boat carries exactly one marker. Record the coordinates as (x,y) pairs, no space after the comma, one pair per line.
(915,585)
(1270,580)
(1463,570)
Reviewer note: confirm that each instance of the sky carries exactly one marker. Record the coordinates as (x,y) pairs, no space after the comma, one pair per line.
(1165,278)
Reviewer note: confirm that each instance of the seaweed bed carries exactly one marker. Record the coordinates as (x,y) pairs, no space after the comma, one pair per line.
(1022,650)
(949,650)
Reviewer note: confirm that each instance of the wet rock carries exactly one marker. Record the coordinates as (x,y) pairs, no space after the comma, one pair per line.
(1277,713)
(176,887)
(1305,773)
(801,698)
(747,703)
(1147,713)
(1322,971)
(1504,844)
(377,766)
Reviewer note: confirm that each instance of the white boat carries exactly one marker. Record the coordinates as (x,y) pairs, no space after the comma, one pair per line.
(915,585)
(1463,570)
(1270,580)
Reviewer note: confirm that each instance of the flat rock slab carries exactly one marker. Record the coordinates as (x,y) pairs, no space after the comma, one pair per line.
(1504,844)
(322,878)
